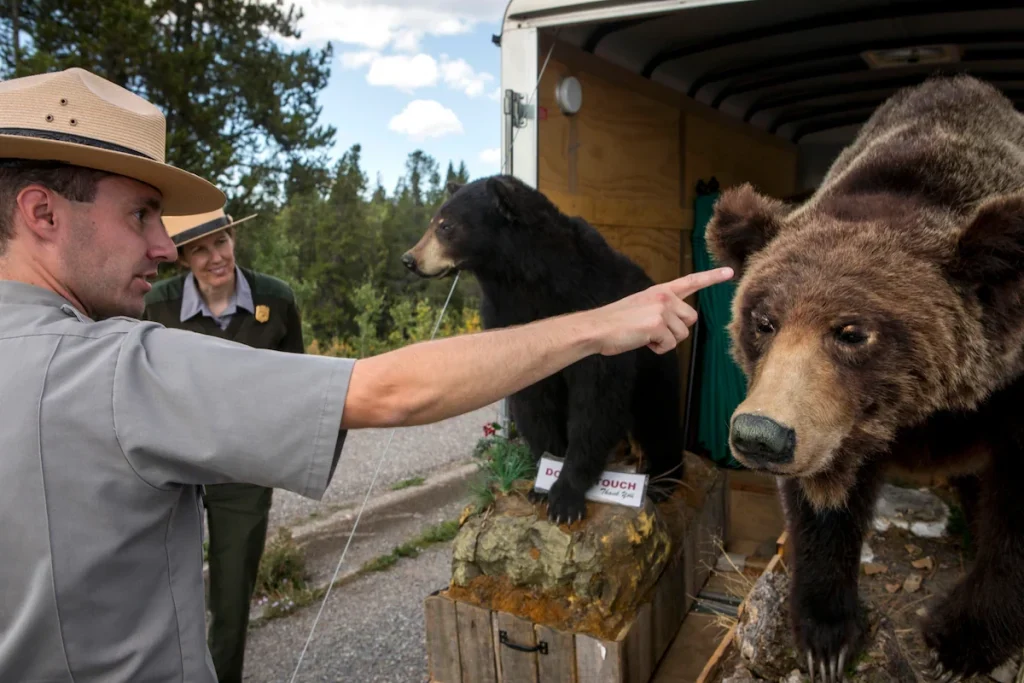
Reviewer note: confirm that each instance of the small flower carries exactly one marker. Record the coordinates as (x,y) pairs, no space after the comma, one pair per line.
(489,430)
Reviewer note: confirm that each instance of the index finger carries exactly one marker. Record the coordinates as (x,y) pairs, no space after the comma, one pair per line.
(688,284)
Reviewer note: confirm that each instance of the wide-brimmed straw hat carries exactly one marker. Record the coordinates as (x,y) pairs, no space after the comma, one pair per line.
(185,229)
(76,117)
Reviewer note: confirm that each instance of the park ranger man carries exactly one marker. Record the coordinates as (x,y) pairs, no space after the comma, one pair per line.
(111,424)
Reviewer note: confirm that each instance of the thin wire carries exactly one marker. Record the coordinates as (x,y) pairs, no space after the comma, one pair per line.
(380,461)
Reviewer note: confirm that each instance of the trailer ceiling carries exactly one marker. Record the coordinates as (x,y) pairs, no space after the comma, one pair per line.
(805,70)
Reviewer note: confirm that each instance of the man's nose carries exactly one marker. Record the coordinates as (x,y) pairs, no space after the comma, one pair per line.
(162,247)
(762,439)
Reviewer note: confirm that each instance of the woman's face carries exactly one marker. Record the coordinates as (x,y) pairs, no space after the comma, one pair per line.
(211,259)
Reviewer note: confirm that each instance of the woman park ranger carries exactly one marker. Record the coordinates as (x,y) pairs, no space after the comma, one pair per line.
(217,297)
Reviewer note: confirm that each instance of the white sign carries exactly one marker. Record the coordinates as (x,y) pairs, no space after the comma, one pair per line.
(620,488)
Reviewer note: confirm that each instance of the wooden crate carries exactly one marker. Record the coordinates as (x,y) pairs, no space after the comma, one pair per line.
(471,644)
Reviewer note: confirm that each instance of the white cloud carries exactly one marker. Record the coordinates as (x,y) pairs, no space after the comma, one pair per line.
(422,119)
(495,94)
(377,24)
(403,72)
(357,60)
(459,75)
(491,156)
(407,41)
(409,72)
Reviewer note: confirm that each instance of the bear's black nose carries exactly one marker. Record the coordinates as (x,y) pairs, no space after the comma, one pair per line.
(410,261)
(762,439)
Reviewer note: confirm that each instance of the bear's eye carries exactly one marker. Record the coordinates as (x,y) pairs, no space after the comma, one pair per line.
(443,226)
(851,335)
(762,324)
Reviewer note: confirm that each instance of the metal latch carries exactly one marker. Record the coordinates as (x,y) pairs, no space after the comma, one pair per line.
(514,109)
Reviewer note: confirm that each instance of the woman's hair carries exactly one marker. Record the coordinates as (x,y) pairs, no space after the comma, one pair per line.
(230,231)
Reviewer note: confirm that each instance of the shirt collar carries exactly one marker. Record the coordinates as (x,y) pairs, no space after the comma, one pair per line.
(14,292)
(192,303)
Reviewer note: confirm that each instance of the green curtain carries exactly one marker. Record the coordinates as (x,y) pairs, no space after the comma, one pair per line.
(723,385)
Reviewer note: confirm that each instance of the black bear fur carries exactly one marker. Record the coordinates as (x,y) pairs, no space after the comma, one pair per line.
(533,262)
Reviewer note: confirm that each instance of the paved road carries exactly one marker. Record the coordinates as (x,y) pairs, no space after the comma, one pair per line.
(371,630)
(414,451)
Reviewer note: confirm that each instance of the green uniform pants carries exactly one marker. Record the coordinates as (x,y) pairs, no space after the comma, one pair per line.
(238,516)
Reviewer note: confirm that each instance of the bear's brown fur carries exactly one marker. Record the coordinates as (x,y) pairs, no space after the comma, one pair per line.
(881,324)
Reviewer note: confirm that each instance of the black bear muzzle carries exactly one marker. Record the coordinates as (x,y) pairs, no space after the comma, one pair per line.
(762,440)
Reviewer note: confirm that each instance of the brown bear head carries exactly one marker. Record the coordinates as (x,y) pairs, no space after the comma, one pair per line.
(856,316)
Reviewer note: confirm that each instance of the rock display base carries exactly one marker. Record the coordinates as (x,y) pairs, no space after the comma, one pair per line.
(762,634)
(590,577)
(598,601)
(905,572)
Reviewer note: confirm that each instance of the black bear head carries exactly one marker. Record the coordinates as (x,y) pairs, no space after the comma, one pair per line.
(478,221)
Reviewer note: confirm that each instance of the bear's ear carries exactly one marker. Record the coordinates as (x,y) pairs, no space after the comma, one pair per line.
(501,193)
(991,248)
(452,187)
(744,222)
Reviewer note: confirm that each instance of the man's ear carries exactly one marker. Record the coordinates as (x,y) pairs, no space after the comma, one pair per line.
(452,187)
(501,193)
(991,248)
(744,222)
(36,206)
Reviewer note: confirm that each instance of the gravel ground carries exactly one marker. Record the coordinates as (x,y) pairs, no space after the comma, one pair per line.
(371,631)
(414,451)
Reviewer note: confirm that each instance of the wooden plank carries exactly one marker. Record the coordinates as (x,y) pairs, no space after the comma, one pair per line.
(585,62)
(515,664)
(669,606)
(621,149)
(714,663)
(495,635)
(661,214)
(711,533)
(638,647)
(476,643)
(698,637)
(690,559)
(442,639)
(559,664)
(713,149)
(750,480)
(653,250)
(599,661)
(755,516)
(785,545)
(571,204)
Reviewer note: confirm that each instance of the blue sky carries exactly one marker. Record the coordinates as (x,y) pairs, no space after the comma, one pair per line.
(411,74)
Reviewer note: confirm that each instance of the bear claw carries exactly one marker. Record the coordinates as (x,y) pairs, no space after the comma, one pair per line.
(832,671)
(535,496)
(935,671)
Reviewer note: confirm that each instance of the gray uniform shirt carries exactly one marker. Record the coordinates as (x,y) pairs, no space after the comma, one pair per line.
(109,428)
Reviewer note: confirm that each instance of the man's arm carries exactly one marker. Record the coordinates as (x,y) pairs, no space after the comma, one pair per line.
(432,381)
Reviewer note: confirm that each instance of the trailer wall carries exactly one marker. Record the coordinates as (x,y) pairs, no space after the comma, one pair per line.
(630,159)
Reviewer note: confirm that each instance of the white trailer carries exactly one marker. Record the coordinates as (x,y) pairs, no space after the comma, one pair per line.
(619,111)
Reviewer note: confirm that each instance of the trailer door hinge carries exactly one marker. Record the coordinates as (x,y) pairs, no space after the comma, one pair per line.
(515,109)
